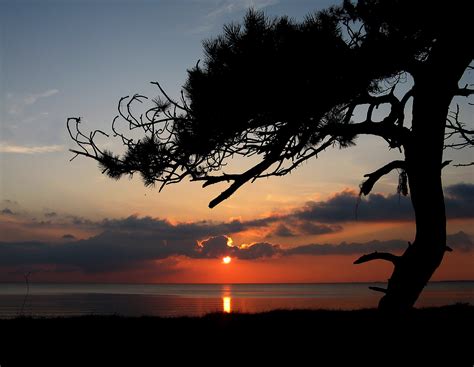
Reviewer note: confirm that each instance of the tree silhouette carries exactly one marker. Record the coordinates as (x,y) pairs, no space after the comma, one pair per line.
(284,92)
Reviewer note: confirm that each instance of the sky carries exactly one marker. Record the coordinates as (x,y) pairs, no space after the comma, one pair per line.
(64,221)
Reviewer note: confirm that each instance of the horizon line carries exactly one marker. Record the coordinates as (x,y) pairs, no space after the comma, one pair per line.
(241,283)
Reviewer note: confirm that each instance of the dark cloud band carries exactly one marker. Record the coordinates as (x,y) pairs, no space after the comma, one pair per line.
(131,242)
(113,251)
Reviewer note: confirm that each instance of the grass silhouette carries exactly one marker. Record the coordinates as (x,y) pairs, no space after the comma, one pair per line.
(424,337)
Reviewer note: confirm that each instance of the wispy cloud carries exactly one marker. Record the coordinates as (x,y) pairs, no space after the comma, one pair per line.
(224,8)
(21,149)
(232,6)
(17,103)
(32,98)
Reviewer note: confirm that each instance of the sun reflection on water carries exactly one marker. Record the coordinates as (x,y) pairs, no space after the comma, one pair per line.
(226,304)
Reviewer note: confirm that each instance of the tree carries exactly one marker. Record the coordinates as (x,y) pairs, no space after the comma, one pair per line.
(286,91)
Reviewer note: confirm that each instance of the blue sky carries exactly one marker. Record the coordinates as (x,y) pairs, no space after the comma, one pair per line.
(77,58)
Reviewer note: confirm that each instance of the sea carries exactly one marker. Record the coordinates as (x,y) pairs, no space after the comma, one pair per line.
(173,300)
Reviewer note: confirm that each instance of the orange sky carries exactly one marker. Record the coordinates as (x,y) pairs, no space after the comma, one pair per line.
(295,269)
(277,268)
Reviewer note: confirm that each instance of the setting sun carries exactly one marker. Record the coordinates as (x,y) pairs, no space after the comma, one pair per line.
(227,260)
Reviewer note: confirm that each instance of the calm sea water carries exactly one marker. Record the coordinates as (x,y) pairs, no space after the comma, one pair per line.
(199,299)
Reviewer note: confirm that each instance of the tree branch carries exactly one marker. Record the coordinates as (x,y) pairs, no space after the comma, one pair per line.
(446,163)
(378,256)
(384,130)
(378,289)
(242,179)
(464,92)
(397,112)
(366,186)
(256,172)
(333,131)
(457,129)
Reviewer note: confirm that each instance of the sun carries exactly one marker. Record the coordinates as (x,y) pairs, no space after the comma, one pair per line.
(226,260)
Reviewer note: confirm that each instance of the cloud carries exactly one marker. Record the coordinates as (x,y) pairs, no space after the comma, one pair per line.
(28,127)
(218,247)
(17,103)
(313,219)
(104,253)
(460,201)
(9,202)
(258,250)
(214,248)
(311,228)
(224,8)
(283,231)
(132,242)
(298,227)
(347,248)
(192,230)
(32,98)
(345,206)
(233,6)
(118,251)
(458,241)
(21,149)
(461,190)
(278,226)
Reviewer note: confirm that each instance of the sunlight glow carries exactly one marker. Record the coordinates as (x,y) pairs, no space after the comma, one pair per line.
(226,260)
(229,242)
(226,305)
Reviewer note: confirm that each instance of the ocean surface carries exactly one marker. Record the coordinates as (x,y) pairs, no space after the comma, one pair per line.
(44,300)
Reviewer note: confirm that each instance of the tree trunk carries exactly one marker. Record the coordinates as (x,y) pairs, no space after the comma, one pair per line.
(423,166)
(434,90)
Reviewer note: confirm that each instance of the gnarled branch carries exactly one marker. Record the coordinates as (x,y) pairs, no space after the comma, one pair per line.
(366,186)
(465,92)
(242,179)
(378,256)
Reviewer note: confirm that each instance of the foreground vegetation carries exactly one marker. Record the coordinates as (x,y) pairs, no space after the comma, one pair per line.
(426,337)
